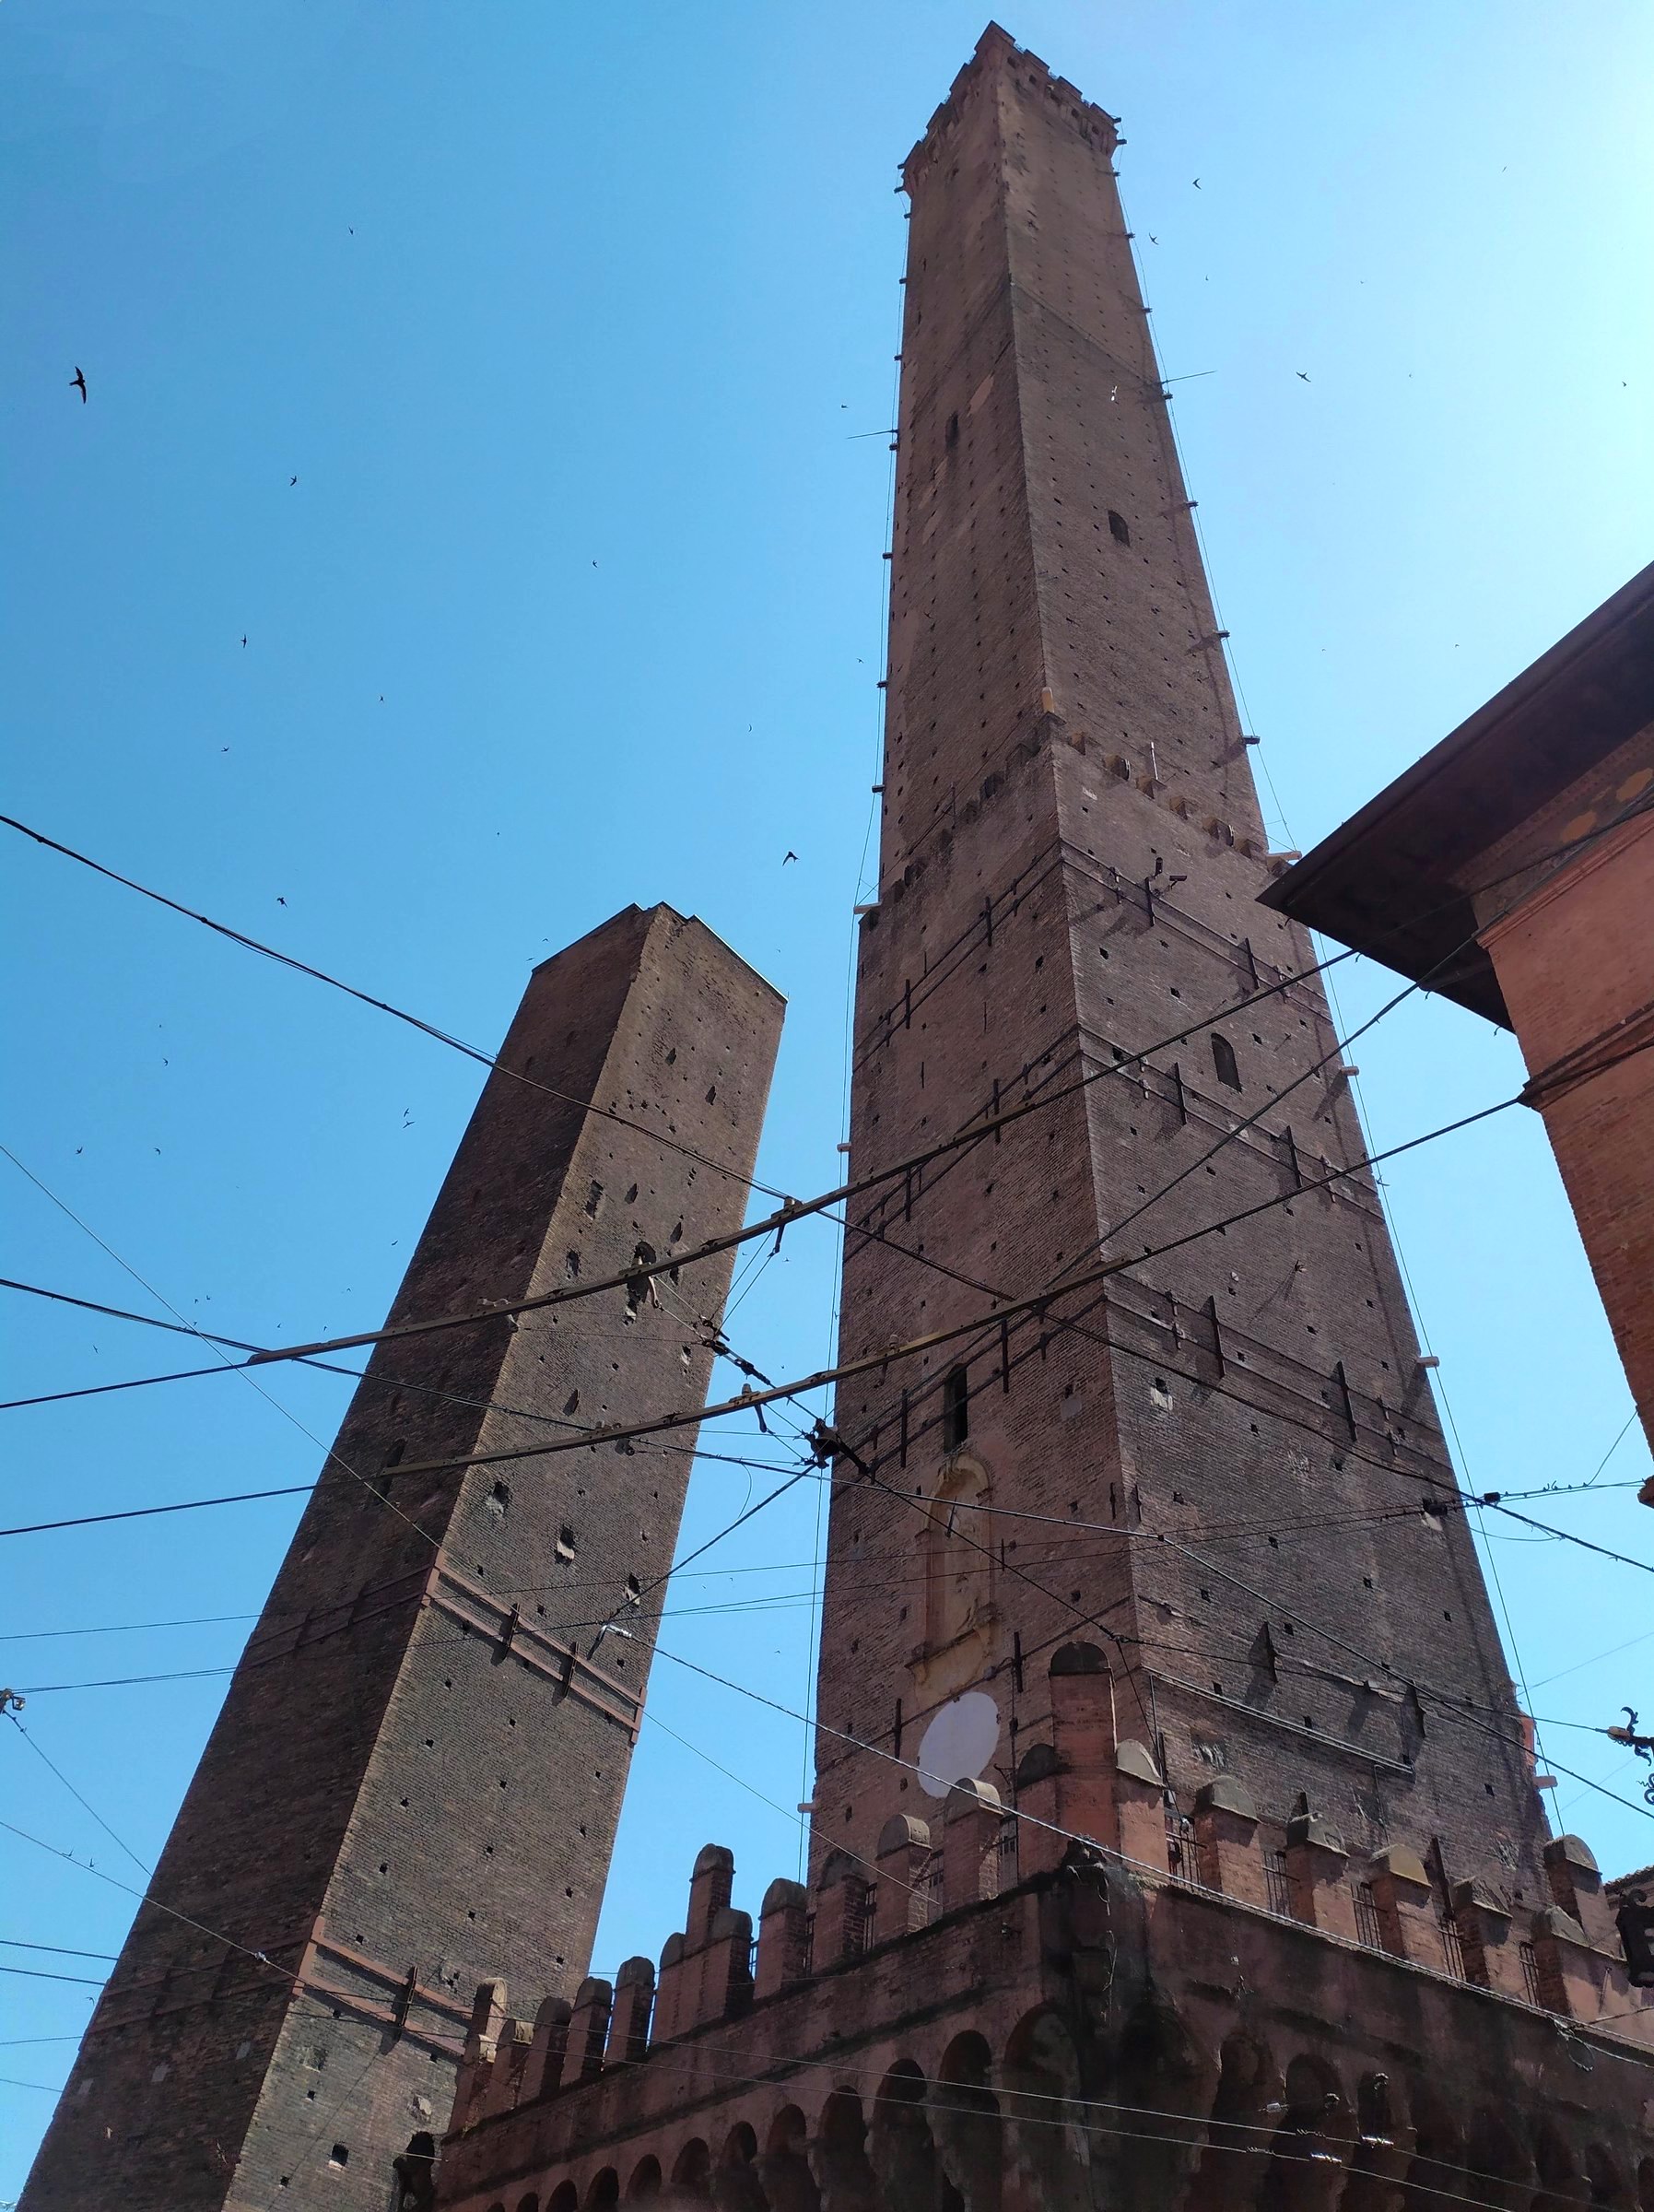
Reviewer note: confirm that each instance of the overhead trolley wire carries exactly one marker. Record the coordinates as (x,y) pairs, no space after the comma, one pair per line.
(381,1005)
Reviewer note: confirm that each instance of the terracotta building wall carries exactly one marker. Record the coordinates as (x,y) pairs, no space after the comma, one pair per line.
(405,1775)
(1574,961)
(1070,855)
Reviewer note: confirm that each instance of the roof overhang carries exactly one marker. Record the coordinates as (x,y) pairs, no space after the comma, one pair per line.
(1397,880)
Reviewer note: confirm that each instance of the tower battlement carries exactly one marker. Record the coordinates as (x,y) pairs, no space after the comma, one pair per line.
(925,1966)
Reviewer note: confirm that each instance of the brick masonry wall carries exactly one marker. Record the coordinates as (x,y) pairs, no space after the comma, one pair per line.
(393,1782)
(1577,977)
(1072,853)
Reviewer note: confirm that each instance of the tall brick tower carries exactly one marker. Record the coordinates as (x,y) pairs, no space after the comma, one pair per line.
(421,1757)
(1071,861)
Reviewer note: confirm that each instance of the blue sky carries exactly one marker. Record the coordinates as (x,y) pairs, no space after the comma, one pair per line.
(568,321)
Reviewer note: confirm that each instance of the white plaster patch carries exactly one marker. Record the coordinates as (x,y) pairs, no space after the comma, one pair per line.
(961,1739)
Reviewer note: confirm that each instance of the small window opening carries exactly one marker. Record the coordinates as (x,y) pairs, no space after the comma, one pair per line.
(640,1291)
(340,2155)
(500,1495)
(1117,528)
(956,1408)
(565,1546)
(952,430)
(1223,1062)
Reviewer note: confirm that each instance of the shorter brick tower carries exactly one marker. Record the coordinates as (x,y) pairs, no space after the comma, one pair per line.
(420,1760)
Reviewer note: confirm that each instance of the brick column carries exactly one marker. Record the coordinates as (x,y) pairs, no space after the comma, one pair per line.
(970,1844)
(1577,1885)
(1039,1777)
(1571,1973)
(588,2030)
(720,1975)
(709,1887)
(1140,1808)
(1316,1860)
(482,2039)
(546,2052)
(507,2074)
(1406,1908)
(1491,1958)
(899,1902)
(841,1909)
(1083,1735)
(669,1987)
(783,1938)
(1225,1837)
(629,2023)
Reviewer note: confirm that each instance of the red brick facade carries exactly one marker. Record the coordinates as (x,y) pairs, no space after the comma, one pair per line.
(1574,961)
(417,1765)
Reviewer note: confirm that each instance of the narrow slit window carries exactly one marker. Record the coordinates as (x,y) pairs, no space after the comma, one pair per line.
(956,1408)
(1117,530)
(952,430)
(1223,1062)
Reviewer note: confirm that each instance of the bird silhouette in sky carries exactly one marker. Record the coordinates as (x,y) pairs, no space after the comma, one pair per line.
(244,637)
(1298,373)
(279,900)
(1197,184)
(291,481)
(787,856)
(77,383)
(1152,239)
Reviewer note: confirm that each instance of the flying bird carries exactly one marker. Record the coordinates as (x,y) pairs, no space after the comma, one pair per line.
(291,481)
(1152,239)
(787,856)
(243,640)
(77,383)
(1298,373)
(279,900)
(1197,184)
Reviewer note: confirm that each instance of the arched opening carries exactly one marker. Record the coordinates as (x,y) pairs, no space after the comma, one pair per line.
(784,2164)
(1118,529)
(958,1555)
(531,2203)
(964,2119)
(842,2162)
(1246,2086)
(1223,1064)
(415,2175)
(1437,2160)
(1645,2184)
(735,2184)
(904,2156)
(956,1407)
(1493,2156)
(605,2189)
(565,2197)
(1560,2188)
(645,2182)
(692,2169)
(1312,2143)
(1606,2182)
(1046,2141)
